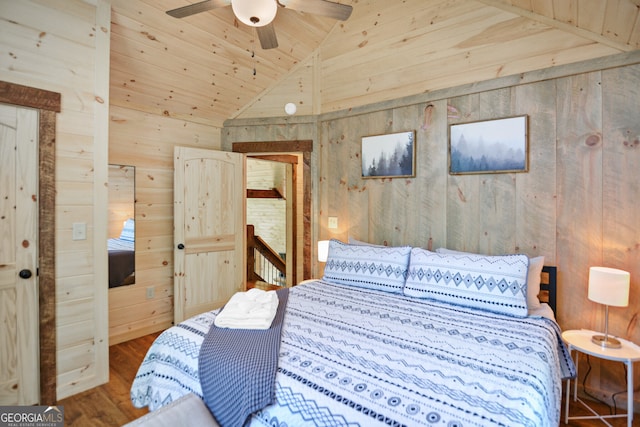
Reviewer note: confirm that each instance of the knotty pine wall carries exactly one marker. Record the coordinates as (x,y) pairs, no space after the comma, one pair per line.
(64,47)
(146,141)
(57,47)
(577,205)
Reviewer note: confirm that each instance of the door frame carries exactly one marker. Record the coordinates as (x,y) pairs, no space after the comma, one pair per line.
(48,104)
(291,245)
(305,147)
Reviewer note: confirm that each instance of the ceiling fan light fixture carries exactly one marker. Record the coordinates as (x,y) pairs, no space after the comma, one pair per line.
(255,13)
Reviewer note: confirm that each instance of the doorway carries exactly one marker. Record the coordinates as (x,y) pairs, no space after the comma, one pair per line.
(48,104)
(301,149)
(272,220)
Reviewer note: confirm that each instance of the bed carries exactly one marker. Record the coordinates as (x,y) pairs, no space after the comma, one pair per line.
(378,342)
(122,256)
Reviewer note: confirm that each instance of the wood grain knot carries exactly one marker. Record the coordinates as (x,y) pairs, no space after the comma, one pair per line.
(593,140)
(25,243)
(149,36)
(461,195)
(632,144)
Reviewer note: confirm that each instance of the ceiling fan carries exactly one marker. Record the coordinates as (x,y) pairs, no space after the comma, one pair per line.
(260,13)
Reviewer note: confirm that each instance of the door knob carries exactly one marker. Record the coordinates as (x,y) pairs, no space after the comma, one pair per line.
(180,246)
(25,274)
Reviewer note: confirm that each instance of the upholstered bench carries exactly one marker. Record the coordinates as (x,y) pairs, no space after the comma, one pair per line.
(188,411)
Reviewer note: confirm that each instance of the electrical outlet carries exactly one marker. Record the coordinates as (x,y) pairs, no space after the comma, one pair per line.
(151,292)
(333,222)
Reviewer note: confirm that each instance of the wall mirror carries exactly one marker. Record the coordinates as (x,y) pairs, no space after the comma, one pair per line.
(122,242)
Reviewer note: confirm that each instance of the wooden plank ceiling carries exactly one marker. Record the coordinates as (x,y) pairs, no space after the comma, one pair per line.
(200,68)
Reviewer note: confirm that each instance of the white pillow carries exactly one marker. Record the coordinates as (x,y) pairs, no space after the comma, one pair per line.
(491,283)
(533,277)
(128,231)
(372,267)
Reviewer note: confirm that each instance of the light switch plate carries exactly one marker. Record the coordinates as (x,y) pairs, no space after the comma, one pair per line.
(333,222)
(79,231)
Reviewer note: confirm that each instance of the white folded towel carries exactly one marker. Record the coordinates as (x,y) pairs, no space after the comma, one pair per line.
(254,309)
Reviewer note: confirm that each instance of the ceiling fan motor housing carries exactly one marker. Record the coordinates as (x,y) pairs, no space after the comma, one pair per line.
(253,12)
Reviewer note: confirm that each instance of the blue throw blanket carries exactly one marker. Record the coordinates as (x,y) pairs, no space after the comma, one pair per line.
(238,368)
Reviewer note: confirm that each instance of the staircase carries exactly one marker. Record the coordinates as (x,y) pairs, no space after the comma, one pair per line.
(266,269)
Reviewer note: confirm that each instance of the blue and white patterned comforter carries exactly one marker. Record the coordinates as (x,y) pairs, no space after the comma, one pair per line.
(357,357)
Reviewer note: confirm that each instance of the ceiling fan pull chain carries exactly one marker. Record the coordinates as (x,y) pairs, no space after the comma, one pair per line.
(253,51)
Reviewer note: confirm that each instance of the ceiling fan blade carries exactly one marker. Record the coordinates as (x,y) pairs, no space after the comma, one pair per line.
(194,8)
(320,7)
(267,36)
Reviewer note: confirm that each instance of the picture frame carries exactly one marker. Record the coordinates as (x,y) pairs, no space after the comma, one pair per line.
(391,155)
(489,146)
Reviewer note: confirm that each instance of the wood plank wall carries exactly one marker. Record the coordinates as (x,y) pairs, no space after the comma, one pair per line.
(146,141)
(577,204)
(64,47)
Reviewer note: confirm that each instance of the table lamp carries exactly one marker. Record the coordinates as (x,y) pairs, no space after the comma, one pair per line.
(323,250)
(608,286)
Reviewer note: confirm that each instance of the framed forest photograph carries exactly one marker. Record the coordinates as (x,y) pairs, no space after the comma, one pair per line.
(489,146)
(389,156)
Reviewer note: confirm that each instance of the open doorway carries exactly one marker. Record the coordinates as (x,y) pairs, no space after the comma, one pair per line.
(272,219)
(296,153)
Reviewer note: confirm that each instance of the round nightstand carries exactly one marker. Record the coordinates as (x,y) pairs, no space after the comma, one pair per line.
(580,340)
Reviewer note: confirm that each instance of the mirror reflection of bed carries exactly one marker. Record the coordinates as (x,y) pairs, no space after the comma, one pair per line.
(121,242)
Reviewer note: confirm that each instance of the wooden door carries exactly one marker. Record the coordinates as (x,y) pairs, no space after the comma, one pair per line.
(19,332)
(209,229)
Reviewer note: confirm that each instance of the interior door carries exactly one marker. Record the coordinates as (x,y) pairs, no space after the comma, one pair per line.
(209,229)
(19,356)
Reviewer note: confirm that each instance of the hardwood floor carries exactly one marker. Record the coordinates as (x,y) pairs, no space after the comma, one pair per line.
(576,409)
(109,405)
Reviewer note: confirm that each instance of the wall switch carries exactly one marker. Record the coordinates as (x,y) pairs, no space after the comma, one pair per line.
(333,222)
(79,231)
(151,292)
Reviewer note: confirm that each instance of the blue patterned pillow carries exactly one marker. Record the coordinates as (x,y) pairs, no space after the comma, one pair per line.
(128,231)
(492,283)
(373,267)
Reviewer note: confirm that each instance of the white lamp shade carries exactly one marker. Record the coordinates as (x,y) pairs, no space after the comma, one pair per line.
(609,286)
(255,13)
(323,250)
